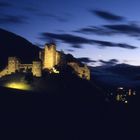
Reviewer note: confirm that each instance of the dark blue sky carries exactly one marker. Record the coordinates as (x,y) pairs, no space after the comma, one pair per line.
(105,31)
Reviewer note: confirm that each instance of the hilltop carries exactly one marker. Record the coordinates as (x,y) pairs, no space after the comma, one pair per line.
(15,45)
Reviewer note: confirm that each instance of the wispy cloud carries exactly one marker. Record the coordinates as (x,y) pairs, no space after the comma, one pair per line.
(110,62)
(70,50)
(78,41)
(38,12)
(112,44)
(95,30)
(107,15)
(128,29)
(86,60)
(52,16)
(13,19)
(75,41)
(131,30)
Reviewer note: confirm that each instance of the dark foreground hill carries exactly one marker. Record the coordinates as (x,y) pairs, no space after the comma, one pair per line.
(14,45)
(66,117)
(75,109)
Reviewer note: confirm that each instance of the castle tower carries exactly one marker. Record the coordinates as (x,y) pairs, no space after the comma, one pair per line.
(49,56)
(36,69)
(13,65)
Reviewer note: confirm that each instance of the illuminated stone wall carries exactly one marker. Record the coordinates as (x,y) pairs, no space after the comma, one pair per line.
(51,56)
(4,72)
(13,65)
(82,71)
(37,69)
(58,57)
(25,67)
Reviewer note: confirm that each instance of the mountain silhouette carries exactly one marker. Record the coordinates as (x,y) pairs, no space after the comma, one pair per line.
(14,45)
(117,75)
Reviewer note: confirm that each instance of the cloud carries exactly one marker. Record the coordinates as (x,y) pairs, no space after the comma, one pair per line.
(76,46)
(107,15)
(5,4)
(70,50)
(112,44)
(67,38)
(78,42)
(86,60)
(52,16)
(95,30)
(132,30)
(128,29)
(38,12)
(11,19)
(111,62)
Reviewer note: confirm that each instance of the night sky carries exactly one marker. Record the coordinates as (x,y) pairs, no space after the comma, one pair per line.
(96,31)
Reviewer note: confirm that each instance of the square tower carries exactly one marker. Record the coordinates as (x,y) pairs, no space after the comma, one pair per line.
(49,60)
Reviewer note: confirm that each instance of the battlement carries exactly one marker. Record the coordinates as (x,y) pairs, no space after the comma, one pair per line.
(50,46)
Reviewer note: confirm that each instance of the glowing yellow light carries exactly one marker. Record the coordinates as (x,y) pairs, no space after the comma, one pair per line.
(20,86)
(55,70)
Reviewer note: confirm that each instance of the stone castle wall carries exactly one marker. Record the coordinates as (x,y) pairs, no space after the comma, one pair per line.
(82,71)
(4,72)
(14,66)
(50,57)
(37,69)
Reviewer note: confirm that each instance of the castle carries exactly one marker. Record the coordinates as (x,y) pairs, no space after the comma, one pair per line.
(49,57)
